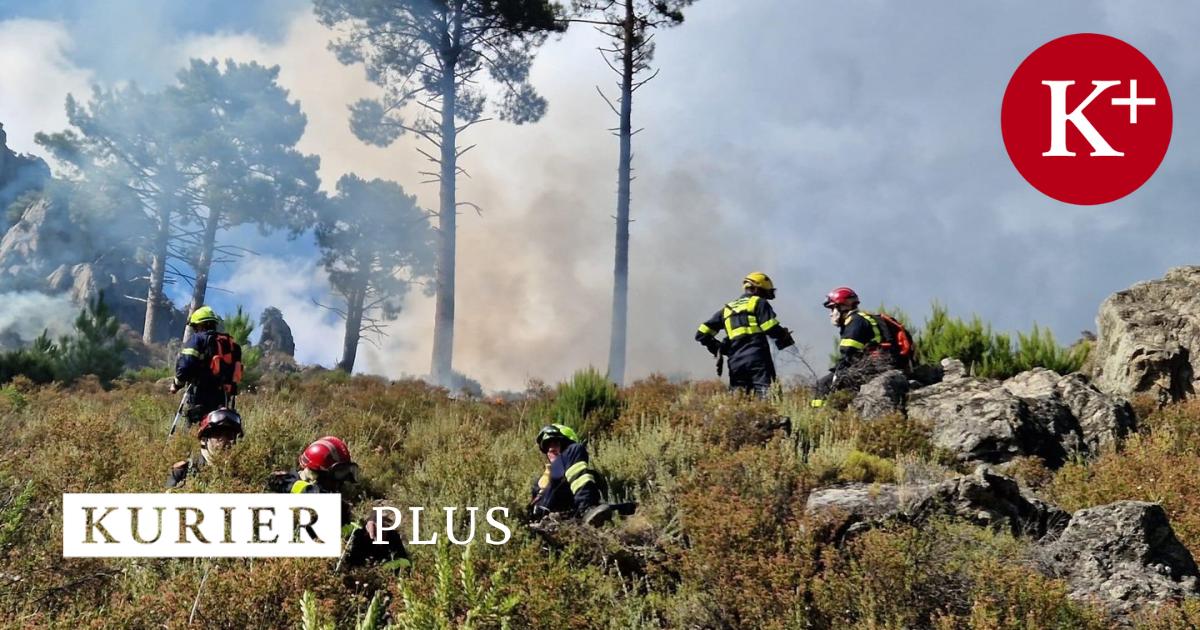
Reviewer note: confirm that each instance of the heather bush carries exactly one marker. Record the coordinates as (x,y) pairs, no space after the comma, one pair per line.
(588,403)
(719,540)
(1160,464)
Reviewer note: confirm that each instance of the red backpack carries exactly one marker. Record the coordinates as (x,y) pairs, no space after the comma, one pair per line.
(226,362)
(899,342)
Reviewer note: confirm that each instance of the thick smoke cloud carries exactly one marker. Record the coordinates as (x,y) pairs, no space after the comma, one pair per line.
(825,144)
(26,314)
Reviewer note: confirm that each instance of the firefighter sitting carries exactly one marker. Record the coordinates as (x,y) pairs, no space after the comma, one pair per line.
(218,432)
(325,466)
(210,364)
(569,485)
(870,344)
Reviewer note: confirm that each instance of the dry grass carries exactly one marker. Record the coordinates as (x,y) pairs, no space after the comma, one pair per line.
(723,539)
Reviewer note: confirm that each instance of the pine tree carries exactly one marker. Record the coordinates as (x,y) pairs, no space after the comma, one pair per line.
(95,348)
(434,53)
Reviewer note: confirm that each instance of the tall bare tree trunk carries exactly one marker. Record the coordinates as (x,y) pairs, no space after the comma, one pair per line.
(620,301)
(158,270)
(354,317)
(204,263)
(443,319)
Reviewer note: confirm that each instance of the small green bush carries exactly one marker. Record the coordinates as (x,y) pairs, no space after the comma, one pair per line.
(239,326)
(588,403)
(95,348)
(148,374)
(991,354)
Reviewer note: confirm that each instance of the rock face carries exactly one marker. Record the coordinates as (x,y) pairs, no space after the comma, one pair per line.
(980,420)
(19,173)
(984,498)
(47,252)
(276,334)
(1149,339)
(1124,555)
(1035,413)
(882,395)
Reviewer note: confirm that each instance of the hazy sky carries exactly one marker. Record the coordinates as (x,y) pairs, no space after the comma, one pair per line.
(823,143)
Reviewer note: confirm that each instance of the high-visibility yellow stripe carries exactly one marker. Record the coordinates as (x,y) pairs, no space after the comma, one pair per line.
(876,336)
(581,482)
(705,330)
(817,404)
(770,323)
(300,486)
(577,469)
(190,352)
(850,343)
(747,306)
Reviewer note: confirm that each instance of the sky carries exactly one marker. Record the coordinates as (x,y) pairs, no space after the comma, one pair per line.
(826,144)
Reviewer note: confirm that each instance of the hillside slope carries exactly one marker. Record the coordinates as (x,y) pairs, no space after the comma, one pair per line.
(721,539)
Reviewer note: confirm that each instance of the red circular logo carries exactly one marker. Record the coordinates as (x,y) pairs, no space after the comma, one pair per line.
(1086,119)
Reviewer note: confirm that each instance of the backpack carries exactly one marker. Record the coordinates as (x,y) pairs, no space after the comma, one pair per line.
(225,362)
(901,343)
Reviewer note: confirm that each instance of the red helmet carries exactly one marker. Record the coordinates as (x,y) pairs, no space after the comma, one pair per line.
(220,419)
(841,296)
(325,454)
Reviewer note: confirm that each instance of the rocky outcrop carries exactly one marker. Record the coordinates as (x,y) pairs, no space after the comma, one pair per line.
(276,334)
(19,174)
(1149,340)
(47,252)
(984,498)
(1123,555)
(1037,413)
(980,420)
(882,395)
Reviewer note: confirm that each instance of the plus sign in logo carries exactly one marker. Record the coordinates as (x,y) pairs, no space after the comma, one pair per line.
(1086,119)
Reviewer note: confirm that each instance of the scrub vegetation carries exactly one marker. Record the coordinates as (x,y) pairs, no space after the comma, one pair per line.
(720,539)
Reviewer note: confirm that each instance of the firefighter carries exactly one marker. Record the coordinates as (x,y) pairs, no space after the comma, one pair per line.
(867,346)
(325,466)
(568,483)
(210,365)
(747,321)
(218,432)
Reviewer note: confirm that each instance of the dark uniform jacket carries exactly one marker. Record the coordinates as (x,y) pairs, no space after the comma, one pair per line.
(748,322)
(863,334)
(360,549)
(193,367)
(184,469)
(569,484)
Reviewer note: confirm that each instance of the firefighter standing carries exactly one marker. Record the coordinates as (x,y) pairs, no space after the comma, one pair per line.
(747,321)
(211,364)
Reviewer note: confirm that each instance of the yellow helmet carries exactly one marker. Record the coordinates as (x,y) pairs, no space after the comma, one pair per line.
(758,280)
(202,315)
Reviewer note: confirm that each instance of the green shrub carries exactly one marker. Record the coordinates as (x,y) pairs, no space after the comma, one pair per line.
(460,598)
(991,354)
(239,326)
(838,461)
(588,403)
(95,348)
(148,374)
(38,363)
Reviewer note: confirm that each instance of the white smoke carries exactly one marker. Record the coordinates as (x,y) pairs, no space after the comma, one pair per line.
(26,314)
(35,78)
